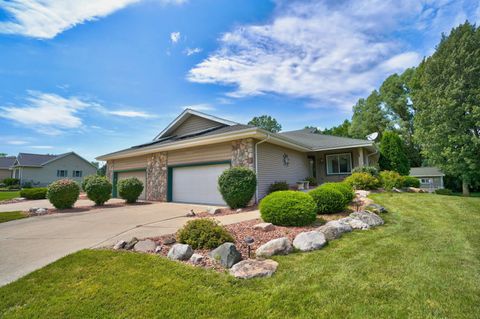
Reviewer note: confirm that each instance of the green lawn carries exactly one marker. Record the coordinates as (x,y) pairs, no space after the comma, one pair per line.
(8,216)
(424,263)
(9,195)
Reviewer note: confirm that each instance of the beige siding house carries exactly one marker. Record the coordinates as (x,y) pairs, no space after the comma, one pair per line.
(6,164)
(431,178)
(184,161)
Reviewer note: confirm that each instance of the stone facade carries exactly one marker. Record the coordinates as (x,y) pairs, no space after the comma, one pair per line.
(157,177)
(242,153)
(109,171)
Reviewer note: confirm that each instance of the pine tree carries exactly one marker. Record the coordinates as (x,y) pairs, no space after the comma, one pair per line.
(392,154)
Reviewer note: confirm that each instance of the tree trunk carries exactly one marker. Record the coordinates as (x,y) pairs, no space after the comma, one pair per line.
(465,189)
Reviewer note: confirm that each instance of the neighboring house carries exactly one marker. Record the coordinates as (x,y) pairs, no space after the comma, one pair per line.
(184,161)
(41,170)
(431,178)
(5,167)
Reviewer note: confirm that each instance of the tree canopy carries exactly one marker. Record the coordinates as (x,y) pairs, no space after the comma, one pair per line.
(368,116)
(392,154)
(266,122)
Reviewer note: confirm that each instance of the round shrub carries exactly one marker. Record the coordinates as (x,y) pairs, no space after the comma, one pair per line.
(288,208)
(203,233)
(63,193)
(278,186)
(130,189)
(390,180)
(34,193)
(328,200)
(372,170)
(362,181)
(410,181)
(444,191)
(342,187)
(98,189)
(11,181)
(237,186)
(86,180)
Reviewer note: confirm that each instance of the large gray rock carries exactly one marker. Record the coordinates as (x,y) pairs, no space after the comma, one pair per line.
(145,246)
(334,229)
(131,243)
(196,259)
(308,241)
(279,246)
(264,227)
(376,209)
(368,218)
(252,268)
(354,223)
(226,254)
(180,252)
(119,245)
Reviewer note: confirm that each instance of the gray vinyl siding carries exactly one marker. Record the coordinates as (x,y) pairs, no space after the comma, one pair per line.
(201,154)
(194,124)
(42,176)
(129,163)
(271,167)
(5,173)
(436,182)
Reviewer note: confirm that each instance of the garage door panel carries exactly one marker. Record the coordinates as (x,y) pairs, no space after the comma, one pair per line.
(138,174)
(197,184)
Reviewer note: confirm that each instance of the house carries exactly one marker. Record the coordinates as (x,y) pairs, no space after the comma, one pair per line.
(431,178)
(183,162)
(43,169)
(5,167)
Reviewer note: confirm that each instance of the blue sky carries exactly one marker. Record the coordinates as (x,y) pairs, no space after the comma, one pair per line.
(97,76)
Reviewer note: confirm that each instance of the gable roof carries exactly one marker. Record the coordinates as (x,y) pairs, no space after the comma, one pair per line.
(38,160)
(7,162)
(425,171)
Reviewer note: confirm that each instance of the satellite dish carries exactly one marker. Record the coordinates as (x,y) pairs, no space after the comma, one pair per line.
(372,137)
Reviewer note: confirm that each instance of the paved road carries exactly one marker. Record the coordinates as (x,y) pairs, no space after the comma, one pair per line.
(31,243)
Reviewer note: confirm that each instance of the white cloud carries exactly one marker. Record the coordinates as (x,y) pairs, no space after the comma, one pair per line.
(330,52)
(17,142)
(42,147)
(199,107)
(175,37)
(126,113)
(190,51)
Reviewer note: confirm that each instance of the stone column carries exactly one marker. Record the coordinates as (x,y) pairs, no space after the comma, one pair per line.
(242,153)
(109,171)
(157,177)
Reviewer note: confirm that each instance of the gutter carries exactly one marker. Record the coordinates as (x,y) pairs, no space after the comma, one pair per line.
(256,163)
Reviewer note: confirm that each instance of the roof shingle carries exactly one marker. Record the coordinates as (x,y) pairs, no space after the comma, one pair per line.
(7,162)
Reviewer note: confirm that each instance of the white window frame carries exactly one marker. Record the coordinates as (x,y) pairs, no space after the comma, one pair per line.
(338,155)
(74,173)
(59,174)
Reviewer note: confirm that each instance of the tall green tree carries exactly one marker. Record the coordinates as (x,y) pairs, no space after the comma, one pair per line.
(368,116)
(267,123)
(446,95)
(3,154)
(392,154)
(340,130)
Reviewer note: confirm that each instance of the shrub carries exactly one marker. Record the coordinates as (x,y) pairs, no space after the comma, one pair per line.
(98,189)
(130,189)
(444,191)
(391,179)
(34,193)
(63,193)
(203,233)
(278,186)
(86,180)
(362,181)
(27,185)
(372,170)
(410,181)
(11,181)
(311,180)
(328,200)
(237,186)
(342,187)
(13,187)
(393,156)
(288,208)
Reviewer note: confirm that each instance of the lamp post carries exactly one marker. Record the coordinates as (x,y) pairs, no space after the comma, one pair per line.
(249,241)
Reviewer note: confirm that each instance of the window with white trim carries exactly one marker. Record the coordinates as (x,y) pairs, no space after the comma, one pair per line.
(62,173)
(339,164)
(77,174)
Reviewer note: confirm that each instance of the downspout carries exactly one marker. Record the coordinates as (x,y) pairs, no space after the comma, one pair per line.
(256,163)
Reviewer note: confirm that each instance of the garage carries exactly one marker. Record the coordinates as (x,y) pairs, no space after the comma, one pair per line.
(140,174)
(197,184)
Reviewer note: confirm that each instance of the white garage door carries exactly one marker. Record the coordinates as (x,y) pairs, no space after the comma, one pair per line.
(138,174)
(197,184)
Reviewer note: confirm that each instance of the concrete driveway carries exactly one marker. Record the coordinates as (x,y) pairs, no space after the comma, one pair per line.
(31,243)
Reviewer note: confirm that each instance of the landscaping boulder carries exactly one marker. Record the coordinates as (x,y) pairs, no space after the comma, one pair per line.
(252,268)
(354,223)
(279,246)
(264,227)
(196,259)
(131,243)
(375,208)
(180,252)
(396,190)
(145,246)
(308,241)
(416,190)
(158,249)
(119,245)
(37,211)
(334,229)
(169,241)
(226,254)
(191,213)
(368,218)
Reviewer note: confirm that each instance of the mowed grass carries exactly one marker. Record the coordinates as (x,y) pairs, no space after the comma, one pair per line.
(424,263)
(8,216)
(9,195)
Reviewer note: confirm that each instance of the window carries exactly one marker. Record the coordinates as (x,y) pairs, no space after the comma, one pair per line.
(62,173)
(426,181)
(77,174)
(339,164)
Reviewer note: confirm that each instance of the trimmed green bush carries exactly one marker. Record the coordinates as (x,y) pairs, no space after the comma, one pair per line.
(86,180)
(288,208)
(34,193)
(362,181)
(410,181)
(444,191)
(372,170)
(63,193)
(278,186)
(11,181)
(98,189)
(391,179)
(342,187)
(203,233)
(311,180)
(237,186)
(130,189)
(328,200)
